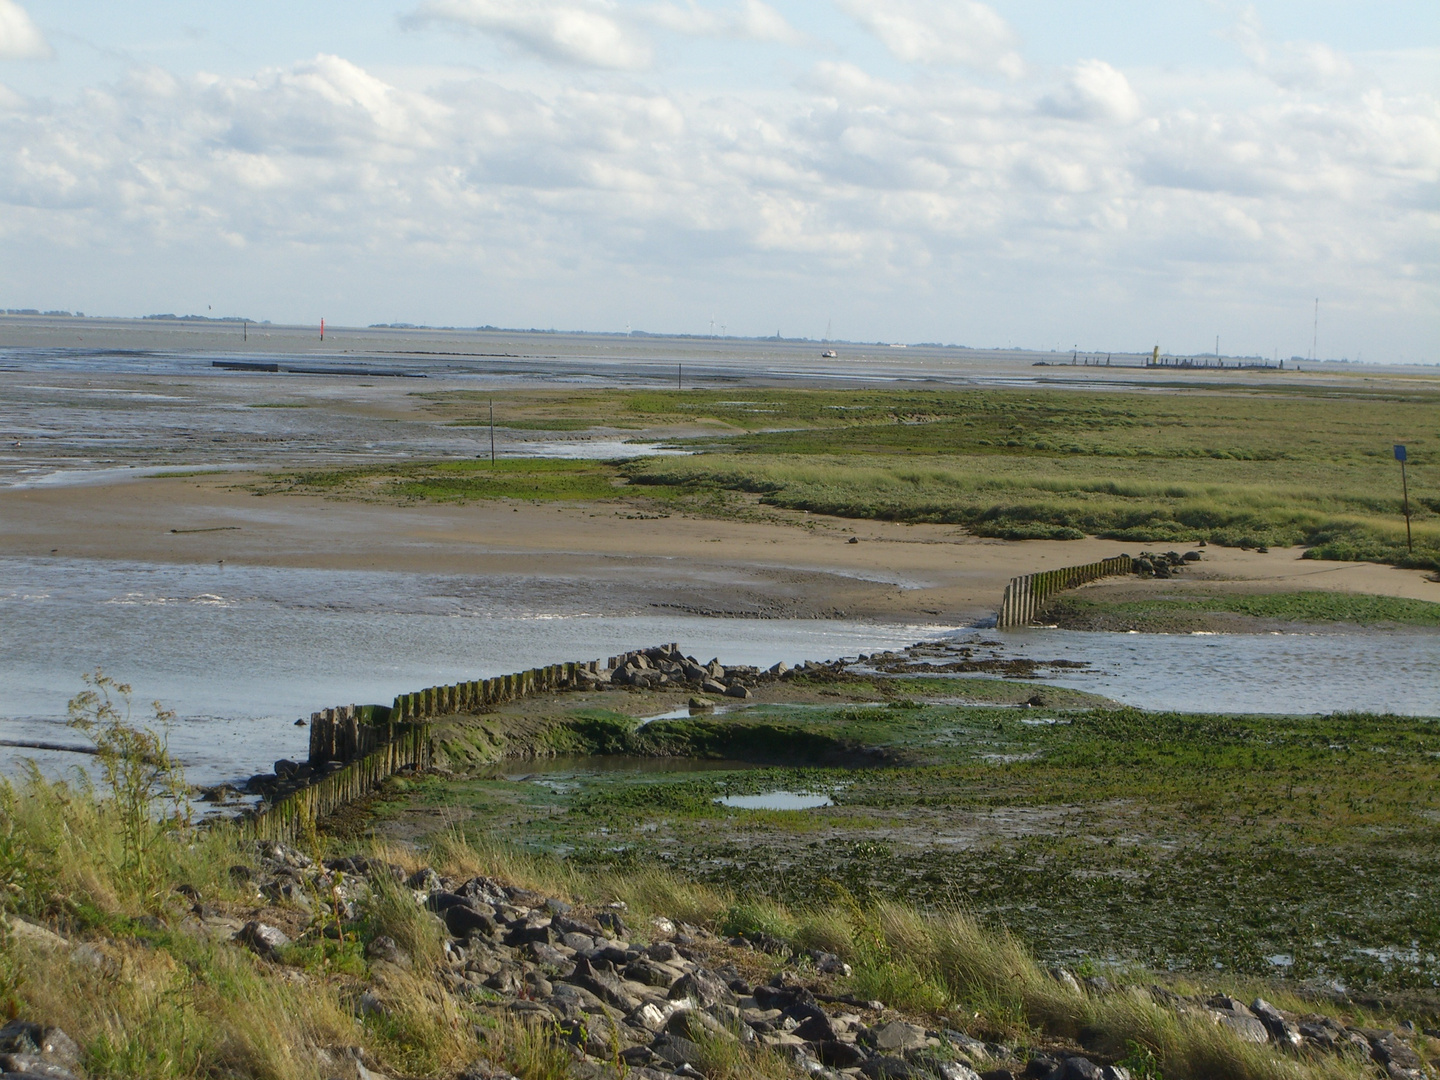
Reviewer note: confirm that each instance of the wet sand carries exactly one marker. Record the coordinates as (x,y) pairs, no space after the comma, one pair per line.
(795,566)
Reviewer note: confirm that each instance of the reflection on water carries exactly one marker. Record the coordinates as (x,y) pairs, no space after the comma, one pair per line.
(776,800)
(241,653)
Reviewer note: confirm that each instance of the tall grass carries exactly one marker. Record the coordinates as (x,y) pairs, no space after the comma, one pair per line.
(1344,513)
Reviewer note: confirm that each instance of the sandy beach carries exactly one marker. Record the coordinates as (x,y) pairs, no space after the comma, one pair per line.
(796,566)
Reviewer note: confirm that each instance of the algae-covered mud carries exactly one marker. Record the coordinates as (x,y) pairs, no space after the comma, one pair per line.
(1296,847)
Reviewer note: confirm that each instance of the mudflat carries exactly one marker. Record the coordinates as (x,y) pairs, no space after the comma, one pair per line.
(793,564)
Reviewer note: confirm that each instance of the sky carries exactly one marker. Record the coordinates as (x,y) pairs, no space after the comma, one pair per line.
(1106,176)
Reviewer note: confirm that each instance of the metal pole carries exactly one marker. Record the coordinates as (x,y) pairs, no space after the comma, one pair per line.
(1405,490)
(492,433)
(679,373)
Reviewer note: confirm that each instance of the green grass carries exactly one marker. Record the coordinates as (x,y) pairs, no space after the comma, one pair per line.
(529,479)
(1231,465)
(1310,606)
(1189,842)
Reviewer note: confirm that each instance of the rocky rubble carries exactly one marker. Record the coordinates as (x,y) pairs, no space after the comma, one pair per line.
(31,1050)
(662,999)
(1163,564)
(666,666)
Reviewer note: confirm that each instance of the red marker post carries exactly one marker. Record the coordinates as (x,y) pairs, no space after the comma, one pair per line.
(1405,495)
(322,329)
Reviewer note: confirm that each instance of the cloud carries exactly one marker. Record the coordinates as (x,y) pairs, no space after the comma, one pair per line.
(20,38)
(1292,65)
(941,33)
(751,19)
(571,198)
(1093,90)
(583,33)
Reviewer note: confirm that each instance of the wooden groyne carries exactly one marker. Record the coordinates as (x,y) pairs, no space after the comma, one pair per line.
(1025,597)
(353,748)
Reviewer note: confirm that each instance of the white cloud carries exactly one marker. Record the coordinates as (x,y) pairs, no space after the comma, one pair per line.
(587,196)
(941,33)
(20,38)
(1093,90)
(751,19)
(1293,65)
(570,31)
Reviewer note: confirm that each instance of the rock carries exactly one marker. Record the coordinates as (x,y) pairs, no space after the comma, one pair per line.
(676,1049)
(816,1027)
(1192,556)
(971,1046)
(1116,1072)
(462,920)
(21,1037)
(1225,1003)
(649,973)
(830,964)
(1282,1031)
(888,1068)
(1077,1068)
(384,948)
(1399,1060)
(33,933)
(663,951)
(736,690)
(664,927)
(955,1070)
(841,1055)
(605,987)
(484,1069)
(649,1017)
(575,999)
(33,1065)
(612,922)
(1246,1028)
(548,956)
(263,939)
(1099,985)
(713,686)
(898,1036)
(1065,979)
(780,669)
(700,986)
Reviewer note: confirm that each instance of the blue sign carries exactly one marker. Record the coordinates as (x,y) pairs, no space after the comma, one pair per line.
(1399,452)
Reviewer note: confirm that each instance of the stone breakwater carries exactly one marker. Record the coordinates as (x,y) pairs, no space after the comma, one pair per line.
(651,996)
(354,748)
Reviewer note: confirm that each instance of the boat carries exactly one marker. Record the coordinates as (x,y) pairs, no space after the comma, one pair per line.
(828,354)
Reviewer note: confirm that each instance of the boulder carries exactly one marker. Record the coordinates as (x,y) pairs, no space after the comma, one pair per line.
(1283,1032)
(675,1049)
(1245,1028)
(897,1037)
(888,1068)
(713,686)
(265,940)
(736,690)
(462,920)
(839,1055)
(956,1070)
(650,973)
(701,987)
(1077,1068)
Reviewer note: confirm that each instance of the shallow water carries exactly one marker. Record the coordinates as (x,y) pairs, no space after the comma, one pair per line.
(242,652)
(776,800)
(1324,671)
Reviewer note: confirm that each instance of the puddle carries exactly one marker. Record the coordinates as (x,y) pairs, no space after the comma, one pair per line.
(776,800)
